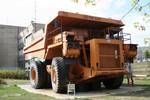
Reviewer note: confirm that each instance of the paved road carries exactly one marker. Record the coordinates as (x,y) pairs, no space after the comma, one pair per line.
(91,94)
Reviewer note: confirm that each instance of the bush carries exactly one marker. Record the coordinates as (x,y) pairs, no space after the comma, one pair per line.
(13,74)
(2,82)
(147,54)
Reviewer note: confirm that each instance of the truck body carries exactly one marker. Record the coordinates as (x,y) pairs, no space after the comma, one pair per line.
(80,49)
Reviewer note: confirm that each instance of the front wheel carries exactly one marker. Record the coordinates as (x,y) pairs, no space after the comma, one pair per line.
(58,75)
(37,75)
(113,83)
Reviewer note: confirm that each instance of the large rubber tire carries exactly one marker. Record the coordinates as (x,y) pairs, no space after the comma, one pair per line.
(89,86)
(38,75)
(113,83)
(83,87)
(59,75)
(95,85)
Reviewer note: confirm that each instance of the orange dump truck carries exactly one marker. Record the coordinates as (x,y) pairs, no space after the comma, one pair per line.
(80,49)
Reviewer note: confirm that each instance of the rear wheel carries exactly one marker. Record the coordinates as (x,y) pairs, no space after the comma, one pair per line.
(90,86)
(113,83)
(83,87)
(59,75)
(96,85)
(37,75)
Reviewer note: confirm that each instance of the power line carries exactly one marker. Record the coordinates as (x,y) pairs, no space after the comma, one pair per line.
(129,10)
(146,4)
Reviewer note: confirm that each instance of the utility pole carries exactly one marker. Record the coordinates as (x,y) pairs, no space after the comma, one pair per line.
(35,8)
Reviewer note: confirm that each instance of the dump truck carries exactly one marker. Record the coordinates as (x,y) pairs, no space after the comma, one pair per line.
(79,49)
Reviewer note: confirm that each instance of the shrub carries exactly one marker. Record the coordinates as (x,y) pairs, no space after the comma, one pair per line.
(2,82)
(13,74)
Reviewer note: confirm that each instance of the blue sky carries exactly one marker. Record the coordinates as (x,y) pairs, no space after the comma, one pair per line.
(21,12)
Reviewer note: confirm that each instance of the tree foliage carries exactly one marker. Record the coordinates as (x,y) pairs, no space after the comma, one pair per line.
(86,2)
(147,41)
(147,54)
(144,10)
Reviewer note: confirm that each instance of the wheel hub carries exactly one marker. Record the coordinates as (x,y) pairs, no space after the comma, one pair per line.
(33,74)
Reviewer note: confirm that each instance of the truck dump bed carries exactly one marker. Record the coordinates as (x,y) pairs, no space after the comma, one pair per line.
(67,19)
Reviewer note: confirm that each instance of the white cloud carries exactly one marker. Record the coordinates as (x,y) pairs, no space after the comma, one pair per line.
(116,16)
(120,3)
(104,4)
(21,12)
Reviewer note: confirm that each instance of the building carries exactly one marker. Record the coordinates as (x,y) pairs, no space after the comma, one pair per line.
(30,33)
(12,39)
(9,46)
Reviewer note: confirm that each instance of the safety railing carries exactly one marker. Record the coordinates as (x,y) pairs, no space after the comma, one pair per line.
(126,37)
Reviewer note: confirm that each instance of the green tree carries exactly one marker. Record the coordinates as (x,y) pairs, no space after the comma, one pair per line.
(147,41)
(144,10)
(147,54)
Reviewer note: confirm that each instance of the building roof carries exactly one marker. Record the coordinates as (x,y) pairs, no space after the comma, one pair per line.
(11,26)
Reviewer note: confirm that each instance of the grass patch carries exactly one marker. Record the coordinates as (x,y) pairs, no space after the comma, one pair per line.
(13,74)
(12,92)
(141,64)
(15,81)
(140,82)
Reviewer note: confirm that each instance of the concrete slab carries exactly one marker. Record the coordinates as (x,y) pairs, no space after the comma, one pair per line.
(91,94)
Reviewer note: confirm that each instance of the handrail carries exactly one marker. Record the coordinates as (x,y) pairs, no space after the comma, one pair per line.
(127,37)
